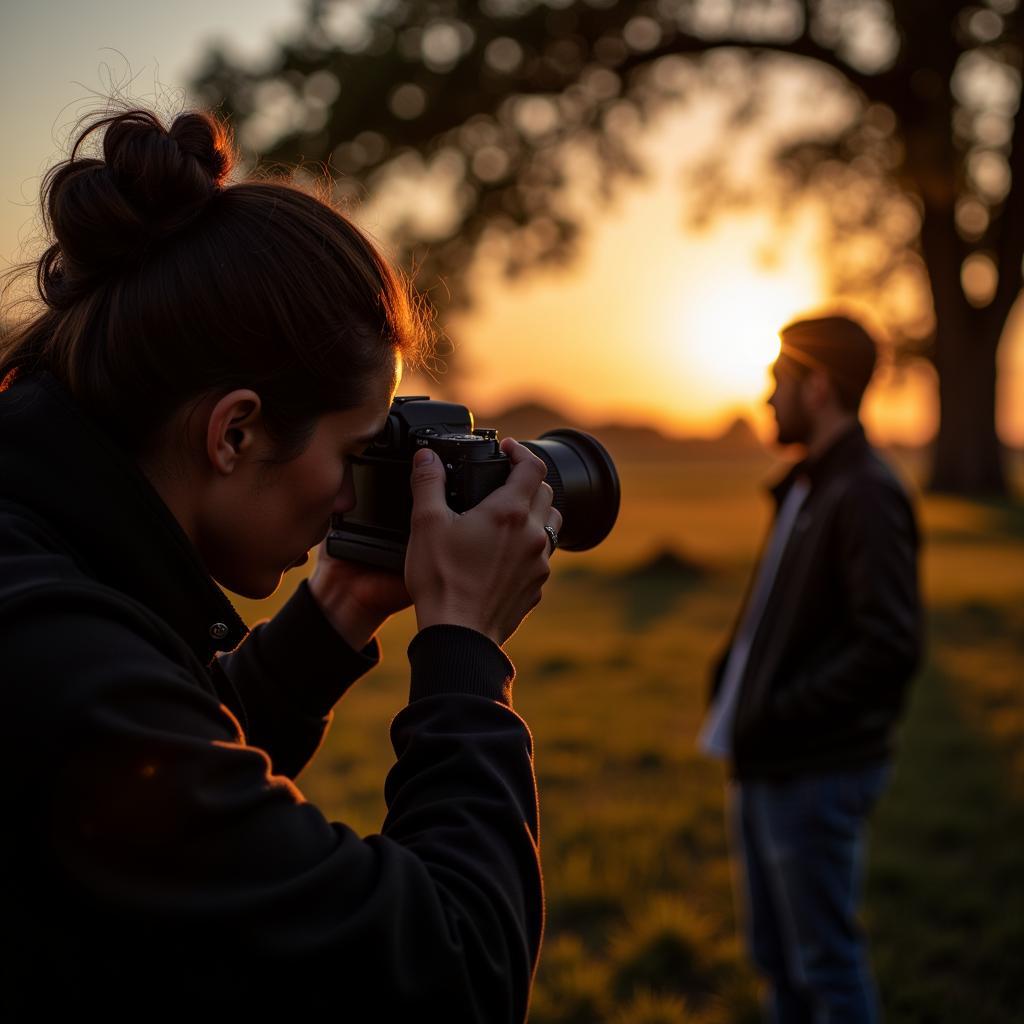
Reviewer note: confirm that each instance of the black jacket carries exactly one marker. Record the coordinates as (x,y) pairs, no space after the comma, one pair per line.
(158,857)
(841,633)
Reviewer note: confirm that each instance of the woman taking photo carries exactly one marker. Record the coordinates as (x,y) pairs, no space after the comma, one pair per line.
(179,414)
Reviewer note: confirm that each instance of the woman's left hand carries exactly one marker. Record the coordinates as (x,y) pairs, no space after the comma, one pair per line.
(356,599)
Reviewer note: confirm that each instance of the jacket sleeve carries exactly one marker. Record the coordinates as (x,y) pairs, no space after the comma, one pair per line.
(287,676)
(188,865)
(879,645)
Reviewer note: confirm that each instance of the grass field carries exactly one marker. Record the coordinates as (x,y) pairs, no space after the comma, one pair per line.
(612,673)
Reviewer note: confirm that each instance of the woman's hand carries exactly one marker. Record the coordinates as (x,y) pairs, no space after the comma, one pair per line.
(485,568)
(356,599)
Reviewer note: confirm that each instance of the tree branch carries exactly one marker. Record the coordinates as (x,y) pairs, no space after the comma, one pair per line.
(874,87)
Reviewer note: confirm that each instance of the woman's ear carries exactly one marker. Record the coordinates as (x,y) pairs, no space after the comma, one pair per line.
(232,429)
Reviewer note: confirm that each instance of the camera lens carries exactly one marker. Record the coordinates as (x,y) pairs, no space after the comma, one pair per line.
(586,485)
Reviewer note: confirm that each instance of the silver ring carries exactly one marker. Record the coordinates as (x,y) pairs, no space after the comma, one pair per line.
(553,537)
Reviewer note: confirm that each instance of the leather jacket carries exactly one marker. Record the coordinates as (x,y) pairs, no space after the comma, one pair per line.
(841,633)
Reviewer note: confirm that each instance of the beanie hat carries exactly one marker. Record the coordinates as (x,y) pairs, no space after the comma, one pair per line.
(838,345)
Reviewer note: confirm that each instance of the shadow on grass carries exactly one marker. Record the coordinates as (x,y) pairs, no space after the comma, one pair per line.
(648,591)
(1004,521)
(945,906)
(1007,517)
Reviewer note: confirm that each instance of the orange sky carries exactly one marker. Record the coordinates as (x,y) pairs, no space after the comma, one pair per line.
(655,323)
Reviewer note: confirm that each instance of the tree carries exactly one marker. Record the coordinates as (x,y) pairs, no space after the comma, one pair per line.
(926,170)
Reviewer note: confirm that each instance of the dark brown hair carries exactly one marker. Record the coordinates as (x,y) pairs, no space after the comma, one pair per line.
(163,283)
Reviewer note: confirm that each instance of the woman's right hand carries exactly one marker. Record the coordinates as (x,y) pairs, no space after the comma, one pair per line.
(486,567)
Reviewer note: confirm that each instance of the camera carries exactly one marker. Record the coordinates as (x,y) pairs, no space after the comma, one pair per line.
(376,531)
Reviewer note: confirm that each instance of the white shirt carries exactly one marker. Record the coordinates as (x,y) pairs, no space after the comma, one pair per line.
(716,733)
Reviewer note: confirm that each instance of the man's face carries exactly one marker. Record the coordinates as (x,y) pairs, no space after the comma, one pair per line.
(792,418)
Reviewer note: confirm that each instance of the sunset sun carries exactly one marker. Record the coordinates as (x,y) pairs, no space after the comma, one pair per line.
(733,335)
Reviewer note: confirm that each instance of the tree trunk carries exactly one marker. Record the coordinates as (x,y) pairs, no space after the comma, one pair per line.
(968,455)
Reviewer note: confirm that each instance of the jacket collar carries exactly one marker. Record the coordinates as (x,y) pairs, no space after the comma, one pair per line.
(845,449)
(70,475)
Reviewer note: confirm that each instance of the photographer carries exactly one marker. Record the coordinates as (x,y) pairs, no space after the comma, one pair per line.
(180,414)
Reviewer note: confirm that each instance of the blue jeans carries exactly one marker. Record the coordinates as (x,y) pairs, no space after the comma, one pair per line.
(803,848)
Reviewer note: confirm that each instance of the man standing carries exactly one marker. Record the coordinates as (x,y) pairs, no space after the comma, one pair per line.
(807,694)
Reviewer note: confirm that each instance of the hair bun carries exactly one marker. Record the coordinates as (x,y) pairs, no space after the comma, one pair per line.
(150,184)
(165,175)
(206,141)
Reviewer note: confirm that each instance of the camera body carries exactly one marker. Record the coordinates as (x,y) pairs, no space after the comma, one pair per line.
(376,531)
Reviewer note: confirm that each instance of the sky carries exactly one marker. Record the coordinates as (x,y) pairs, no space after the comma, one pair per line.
(55,55)
(652,324)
